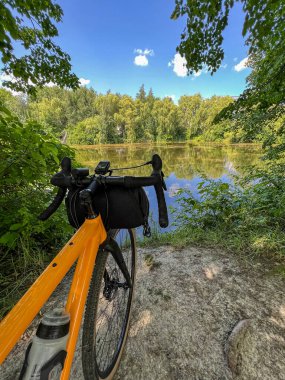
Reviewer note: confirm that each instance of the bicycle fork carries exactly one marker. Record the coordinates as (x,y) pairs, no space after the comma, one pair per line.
(112,246)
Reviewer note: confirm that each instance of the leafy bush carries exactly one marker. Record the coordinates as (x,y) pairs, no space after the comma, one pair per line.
(29,157)
(247,216)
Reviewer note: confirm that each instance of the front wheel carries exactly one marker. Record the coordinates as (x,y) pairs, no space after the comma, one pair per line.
(108,307)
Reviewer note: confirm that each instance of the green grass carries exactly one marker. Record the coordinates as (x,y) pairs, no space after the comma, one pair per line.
(269,243)
(19,268)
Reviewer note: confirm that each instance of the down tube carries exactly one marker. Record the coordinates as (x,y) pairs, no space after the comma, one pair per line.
(78,294)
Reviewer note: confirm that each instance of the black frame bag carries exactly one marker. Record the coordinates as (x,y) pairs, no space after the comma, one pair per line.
(119,207)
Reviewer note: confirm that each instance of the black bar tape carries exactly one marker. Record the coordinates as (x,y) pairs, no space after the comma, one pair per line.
(162,209)
(54,204)
(133,182)
(129,182)
(93,187)
(61,180)
(117,181)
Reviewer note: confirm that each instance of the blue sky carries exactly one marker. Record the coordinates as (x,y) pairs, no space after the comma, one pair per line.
(102,36)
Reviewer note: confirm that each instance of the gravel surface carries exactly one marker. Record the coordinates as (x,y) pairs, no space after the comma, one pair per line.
(198,314)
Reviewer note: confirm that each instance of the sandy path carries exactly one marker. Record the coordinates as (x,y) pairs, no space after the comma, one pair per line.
(187,303)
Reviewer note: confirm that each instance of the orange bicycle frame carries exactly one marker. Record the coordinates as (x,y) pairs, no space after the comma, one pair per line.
(83,246)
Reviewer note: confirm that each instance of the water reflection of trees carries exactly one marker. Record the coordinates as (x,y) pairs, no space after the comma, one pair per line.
(185,160)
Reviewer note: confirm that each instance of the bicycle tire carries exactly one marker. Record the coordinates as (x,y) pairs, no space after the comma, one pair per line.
(91,351)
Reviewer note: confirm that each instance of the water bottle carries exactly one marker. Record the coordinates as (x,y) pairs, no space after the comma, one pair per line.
(46,354)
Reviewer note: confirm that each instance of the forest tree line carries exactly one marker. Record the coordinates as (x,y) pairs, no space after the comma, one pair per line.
(84,116)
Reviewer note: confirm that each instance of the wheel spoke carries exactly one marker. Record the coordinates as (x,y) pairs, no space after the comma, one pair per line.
(113,307)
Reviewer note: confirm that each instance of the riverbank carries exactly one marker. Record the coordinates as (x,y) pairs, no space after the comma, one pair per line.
(186,307)
(165,143)
(270,244)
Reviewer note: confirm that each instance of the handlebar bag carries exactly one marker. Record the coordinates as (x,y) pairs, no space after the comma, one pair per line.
(119,207)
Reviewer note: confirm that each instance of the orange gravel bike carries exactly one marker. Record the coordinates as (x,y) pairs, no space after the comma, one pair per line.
(105,209)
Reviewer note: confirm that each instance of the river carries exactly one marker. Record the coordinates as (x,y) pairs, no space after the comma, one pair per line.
(183,163)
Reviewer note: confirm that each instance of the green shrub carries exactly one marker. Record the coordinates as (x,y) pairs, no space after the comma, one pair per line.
(29,157)
(246,216)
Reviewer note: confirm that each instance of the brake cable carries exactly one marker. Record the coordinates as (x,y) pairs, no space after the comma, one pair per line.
(130,167)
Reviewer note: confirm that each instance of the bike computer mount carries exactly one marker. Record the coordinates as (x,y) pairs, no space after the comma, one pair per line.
(103,167)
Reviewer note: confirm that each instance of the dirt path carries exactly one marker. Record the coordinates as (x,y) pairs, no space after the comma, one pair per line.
(186,306)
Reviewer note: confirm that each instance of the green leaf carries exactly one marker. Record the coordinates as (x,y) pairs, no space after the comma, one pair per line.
(8,238)
(224,186)
(16,226)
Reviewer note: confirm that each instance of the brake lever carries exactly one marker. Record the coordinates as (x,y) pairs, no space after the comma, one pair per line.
(157,166)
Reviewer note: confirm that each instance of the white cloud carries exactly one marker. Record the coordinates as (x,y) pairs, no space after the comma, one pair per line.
(9,78)
(144,52)
(241,65)
(84,82)
(235,59)
(224,66)
(148,52)
(6,77)
(50,84)
(141,60)
(179,65)
(197,73)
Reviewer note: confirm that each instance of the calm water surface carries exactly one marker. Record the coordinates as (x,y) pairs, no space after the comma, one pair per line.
(183,163)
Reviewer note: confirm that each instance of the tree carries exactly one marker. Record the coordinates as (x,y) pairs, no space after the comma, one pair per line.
(201,40)
(197,114)
(166,116)
(125,119)
(216,131)
(50,109)
(81,104)
(107,106)
(58,108)
(15,103)
(87,131)
(31,23)
(189,115)
(259,111)
(150,97)
(141,95)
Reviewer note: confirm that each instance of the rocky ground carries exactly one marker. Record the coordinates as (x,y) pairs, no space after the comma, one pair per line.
(198,314)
